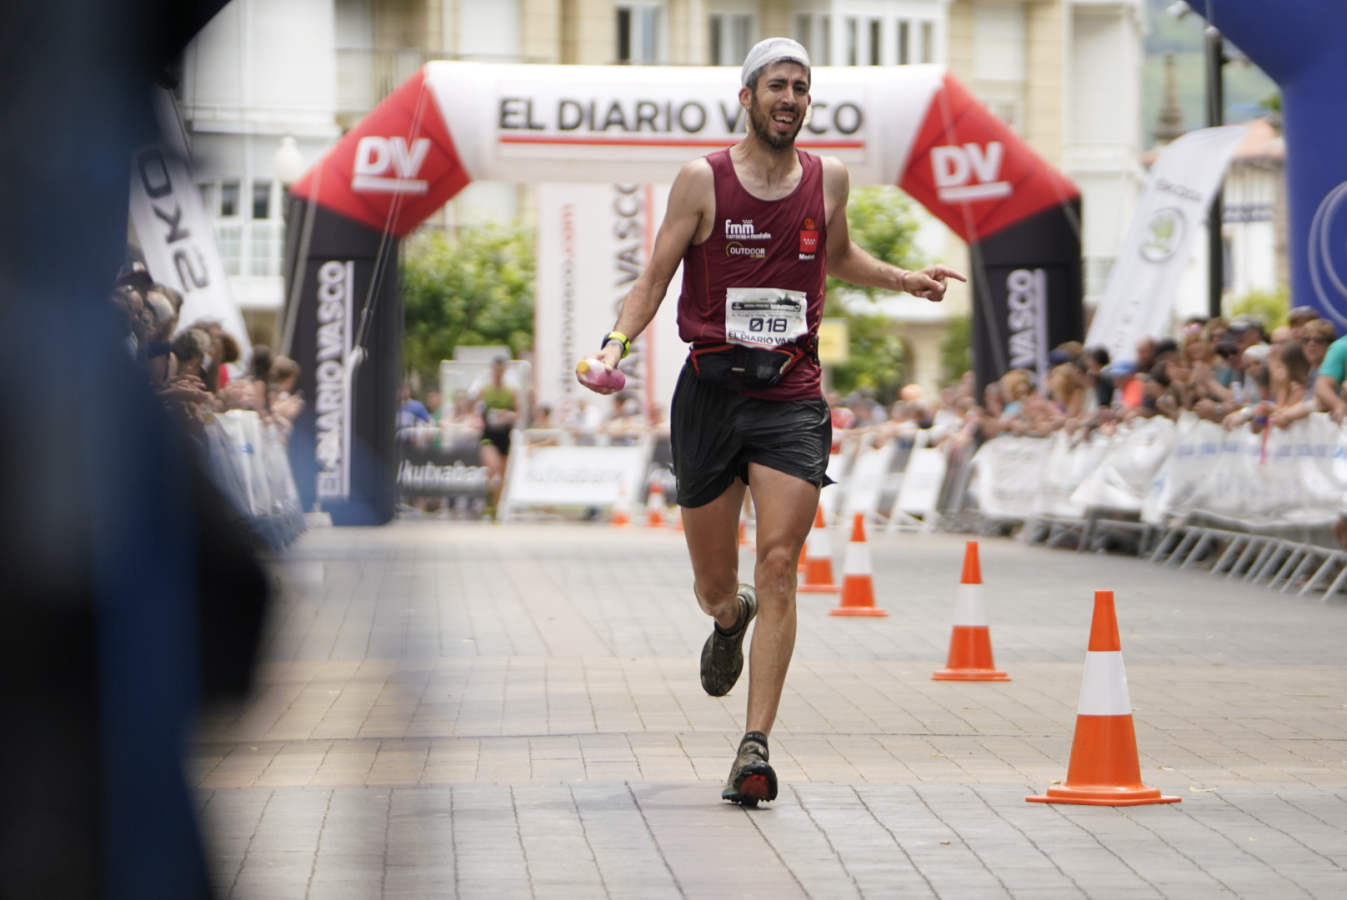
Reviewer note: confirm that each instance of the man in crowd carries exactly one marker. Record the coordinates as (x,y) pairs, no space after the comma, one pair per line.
(757,227)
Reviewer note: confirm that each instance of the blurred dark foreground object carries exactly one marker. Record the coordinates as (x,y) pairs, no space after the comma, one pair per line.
(131,597)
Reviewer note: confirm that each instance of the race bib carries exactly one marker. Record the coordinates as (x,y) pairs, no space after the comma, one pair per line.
(765,317)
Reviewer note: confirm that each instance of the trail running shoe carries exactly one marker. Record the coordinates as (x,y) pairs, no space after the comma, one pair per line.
(751,778)
(723,654)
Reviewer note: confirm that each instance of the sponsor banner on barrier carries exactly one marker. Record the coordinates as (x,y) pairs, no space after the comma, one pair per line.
(865,481)
(432,465)
(578,476)
(1163,470)
(1122,477)
(923,480)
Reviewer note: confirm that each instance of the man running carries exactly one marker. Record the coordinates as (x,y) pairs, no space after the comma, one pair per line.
(757,227)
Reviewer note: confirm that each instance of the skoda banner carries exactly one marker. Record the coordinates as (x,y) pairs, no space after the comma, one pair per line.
(174,233)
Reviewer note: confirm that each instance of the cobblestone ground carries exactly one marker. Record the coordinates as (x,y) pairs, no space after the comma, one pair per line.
(465,710)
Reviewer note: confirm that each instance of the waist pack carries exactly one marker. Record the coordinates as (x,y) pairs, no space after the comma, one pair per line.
(743,368)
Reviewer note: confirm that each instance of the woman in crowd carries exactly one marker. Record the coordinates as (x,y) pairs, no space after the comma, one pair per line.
(284,400)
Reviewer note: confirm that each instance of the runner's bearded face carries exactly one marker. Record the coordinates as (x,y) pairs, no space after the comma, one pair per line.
(778,106)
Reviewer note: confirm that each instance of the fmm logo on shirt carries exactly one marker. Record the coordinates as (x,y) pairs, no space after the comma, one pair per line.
(743,230)
(969,172)
(375,156)
(808,239)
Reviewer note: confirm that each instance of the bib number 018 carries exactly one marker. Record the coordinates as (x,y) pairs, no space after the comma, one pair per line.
(774,325)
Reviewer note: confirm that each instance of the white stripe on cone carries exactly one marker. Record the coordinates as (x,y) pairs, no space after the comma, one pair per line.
(1103,688)
(857,559)
(817,545)
(968,606)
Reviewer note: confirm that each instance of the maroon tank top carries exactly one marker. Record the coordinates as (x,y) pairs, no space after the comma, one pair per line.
(759,244)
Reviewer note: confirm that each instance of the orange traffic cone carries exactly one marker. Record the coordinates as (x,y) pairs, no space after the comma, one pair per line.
(654,506)
(858,590)
(818,560)
(970,643)
(619,516)
(1104,770)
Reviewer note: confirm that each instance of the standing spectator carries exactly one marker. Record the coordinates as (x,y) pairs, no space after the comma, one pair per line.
(1328,382)
(1316,335)
(411,412)
(1297,399)
(499,403)
(1096,362)
(1298,318)
(1245,331)
(284,400)
(1130,387)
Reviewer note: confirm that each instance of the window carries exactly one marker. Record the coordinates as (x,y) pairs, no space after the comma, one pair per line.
(804,31)
(853,37)
(250,238)
(208,197)
(731,38)
(814,31)
(927,54)
(904,34)
(261,199)
(874,42)
(229,199)
(639,33)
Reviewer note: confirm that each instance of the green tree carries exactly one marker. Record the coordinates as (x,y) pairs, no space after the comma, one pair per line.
(956,354)
(473,288)
(881,221)
(1268,307)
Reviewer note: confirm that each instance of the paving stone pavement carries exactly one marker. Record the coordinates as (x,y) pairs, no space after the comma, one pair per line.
(464,710)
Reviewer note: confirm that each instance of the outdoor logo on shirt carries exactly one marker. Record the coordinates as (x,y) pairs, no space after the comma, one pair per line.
(743,230)
(735,248)
(808,239)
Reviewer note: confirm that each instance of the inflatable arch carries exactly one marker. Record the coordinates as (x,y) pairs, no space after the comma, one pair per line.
(455,122)
(1299,45)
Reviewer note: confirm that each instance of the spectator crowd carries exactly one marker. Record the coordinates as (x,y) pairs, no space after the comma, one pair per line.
(1232,372)
(197,370)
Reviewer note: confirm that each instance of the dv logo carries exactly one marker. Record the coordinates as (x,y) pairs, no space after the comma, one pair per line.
(375,156)
(969,172)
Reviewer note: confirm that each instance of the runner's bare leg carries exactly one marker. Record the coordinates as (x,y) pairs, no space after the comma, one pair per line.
(785,507)
(712,533)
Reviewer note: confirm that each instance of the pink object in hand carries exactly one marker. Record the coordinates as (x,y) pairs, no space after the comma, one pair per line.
(595,374)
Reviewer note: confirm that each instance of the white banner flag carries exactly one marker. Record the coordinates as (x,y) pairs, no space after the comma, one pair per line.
(1139,298)
(175,235)
(593,242)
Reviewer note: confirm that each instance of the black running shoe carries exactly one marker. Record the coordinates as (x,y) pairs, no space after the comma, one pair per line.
(723,654)
(751,778)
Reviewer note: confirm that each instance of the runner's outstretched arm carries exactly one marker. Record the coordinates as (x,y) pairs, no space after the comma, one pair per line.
(687,205)
(853,264)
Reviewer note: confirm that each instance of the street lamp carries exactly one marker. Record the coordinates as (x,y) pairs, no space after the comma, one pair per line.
(1215,58)
(288,163)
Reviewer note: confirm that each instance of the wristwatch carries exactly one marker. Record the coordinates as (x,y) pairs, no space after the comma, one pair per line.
(620,338)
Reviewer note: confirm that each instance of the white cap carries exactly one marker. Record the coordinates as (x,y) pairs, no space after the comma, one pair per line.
(773,50)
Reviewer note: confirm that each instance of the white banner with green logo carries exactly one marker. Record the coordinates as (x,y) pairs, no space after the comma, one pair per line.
(1139,298)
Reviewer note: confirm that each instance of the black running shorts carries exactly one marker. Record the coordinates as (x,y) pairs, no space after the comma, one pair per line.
(716,433)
